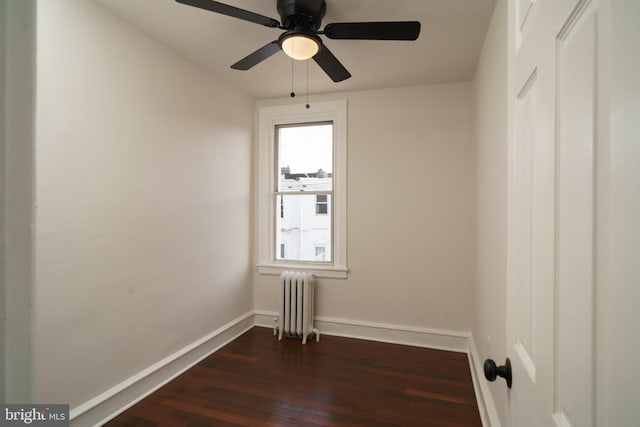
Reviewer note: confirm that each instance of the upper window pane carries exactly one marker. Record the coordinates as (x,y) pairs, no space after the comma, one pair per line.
(305,157)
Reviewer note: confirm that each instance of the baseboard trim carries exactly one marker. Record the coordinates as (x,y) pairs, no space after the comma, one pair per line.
(382,332)
(107,405)
(486,406)
(117,399)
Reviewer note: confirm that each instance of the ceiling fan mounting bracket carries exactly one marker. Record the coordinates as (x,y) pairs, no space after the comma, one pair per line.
(299,14)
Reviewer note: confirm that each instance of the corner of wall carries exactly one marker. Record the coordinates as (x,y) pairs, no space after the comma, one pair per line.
(486,405)
(488,334)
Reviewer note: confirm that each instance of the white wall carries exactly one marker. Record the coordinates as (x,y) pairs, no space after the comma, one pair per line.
(143,193)
(17,25)
(410,211)
(490,133)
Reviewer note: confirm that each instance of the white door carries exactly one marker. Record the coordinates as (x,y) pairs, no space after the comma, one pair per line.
(553,62)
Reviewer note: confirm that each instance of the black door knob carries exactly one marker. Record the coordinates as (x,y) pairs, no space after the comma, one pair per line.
(491,371)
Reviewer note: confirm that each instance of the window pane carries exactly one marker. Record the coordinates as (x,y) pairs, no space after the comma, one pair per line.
(305,157)
(300,230)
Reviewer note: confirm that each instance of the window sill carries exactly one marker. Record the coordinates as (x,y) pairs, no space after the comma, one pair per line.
(327,272)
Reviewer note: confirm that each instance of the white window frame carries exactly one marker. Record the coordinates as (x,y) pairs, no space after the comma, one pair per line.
(268,118)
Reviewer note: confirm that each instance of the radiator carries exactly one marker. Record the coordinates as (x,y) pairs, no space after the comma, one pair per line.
(296,306)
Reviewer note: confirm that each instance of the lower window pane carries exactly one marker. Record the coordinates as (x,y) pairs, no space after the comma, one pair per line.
(302,232)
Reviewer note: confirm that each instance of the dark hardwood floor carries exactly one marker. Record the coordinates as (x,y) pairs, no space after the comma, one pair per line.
(257,380)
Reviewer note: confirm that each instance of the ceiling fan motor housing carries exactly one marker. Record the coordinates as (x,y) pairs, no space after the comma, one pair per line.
(301,14)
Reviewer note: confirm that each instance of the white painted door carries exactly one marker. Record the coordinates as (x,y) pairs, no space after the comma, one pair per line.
(553,119)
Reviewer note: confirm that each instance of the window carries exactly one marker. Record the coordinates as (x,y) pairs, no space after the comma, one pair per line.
(303,186)
(302,189)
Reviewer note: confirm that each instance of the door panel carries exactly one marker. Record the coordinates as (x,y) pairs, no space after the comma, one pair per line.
(531,262)
(572,232)
(553,81)
(576,70)
(526,107)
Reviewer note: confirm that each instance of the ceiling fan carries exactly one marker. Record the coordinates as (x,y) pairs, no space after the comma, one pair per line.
(301,21)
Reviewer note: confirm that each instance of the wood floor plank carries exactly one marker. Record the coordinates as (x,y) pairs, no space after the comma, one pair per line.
(257,380)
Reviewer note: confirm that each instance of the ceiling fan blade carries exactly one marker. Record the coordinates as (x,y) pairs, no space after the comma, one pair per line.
(404,30)
(330,64)
(257,57)
(232,11)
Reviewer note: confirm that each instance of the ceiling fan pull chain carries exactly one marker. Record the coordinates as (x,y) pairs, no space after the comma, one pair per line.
(293,94)
(308,106)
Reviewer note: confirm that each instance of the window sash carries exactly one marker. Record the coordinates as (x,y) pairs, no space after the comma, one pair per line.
(276,151)
(306,226)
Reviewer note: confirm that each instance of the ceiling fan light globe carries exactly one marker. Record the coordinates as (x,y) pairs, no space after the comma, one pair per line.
(300,46)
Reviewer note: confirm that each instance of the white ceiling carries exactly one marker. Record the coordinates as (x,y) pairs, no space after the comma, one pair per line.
(446,51)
